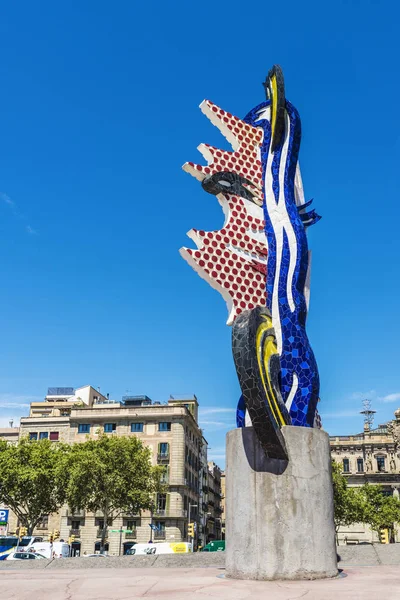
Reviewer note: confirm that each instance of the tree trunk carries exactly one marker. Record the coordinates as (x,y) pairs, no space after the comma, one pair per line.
(104,534)
(26,520)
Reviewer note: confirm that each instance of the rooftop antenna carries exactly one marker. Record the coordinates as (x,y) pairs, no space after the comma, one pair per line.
(368,414)
(11,422)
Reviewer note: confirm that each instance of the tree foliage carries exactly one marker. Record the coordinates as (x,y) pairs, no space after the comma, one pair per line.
(29,479)
(111,475)
(365,504)
(348,503)
(379,511)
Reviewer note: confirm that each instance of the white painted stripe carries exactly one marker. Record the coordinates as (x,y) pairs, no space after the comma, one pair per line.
(247,420)
(292,392)
(285,221)
(280,222)
(264,113)
(248,256)
(273,212)
(298,187)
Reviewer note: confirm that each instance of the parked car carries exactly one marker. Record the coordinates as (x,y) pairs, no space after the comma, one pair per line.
(216,546)
(24,556)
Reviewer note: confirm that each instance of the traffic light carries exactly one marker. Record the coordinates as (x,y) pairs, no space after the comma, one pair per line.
(384,536)
(51,538)
(71,539)
(56,534)
(22,531)
(191,530)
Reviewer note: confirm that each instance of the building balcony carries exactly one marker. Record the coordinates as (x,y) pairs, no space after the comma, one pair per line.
(175,513)
(128,515)
(42,526)
(131,536)
(177,481)
(75,532)
(163,459)
(159,535)
(77,514)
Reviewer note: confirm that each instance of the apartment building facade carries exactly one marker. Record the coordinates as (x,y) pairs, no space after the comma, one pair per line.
(203,499)
(9,434)
(223,488)
(372,456)
(214,512)
(172,433)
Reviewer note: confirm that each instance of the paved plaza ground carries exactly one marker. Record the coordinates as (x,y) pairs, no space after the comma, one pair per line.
(368,573)
(366,583)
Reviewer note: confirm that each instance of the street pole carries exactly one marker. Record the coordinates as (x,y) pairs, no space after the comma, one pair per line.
(190,506)
(188,523)
(120,541)
(151,527)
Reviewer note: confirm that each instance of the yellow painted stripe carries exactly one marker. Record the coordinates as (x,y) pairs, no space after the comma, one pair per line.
(263,356)
(261,359)
(274,104)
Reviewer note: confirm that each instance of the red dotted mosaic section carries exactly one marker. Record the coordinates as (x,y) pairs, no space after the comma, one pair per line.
(244,280)
(244,160)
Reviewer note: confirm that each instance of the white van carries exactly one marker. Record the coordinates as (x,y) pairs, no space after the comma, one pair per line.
(160,548)
(56,549)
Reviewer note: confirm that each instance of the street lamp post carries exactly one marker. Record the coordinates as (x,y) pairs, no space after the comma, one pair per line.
(120,539)
(220,524)
(190,506)
(151,527)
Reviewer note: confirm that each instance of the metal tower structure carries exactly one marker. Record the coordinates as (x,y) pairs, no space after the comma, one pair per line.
(368,414)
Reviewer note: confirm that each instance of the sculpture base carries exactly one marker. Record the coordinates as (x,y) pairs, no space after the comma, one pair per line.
(279,514)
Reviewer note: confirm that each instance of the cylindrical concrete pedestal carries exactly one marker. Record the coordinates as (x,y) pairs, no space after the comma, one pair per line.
(279,515)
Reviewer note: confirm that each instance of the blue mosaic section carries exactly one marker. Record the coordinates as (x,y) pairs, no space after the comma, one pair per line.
(241,412)
(297,356)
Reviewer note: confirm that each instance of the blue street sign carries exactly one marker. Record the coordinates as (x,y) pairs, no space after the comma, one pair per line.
(3,516)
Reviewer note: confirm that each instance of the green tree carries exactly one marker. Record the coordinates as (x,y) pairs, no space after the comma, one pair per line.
(111,475)
(380,511)
(348,502)
(29,479)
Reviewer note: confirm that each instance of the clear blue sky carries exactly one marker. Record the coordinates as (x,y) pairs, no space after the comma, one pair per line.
(99,110)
